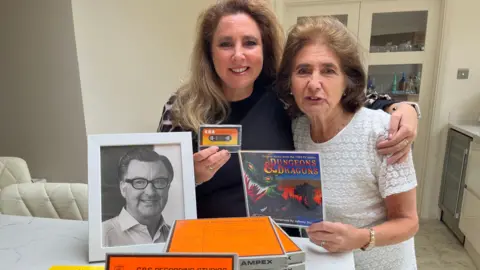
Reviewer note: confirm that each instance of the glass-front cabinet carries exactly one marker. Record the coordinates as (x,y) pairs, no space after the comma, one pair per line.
(400,38)
(401,41)
(394,67)
(402,31)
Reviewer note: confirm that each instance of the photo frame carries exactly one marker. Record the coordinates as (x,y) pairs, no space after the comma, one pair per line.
(136,179)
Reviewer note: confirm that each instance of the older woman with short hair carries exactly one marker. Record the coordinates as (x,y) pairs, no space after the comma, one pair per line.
(370,204)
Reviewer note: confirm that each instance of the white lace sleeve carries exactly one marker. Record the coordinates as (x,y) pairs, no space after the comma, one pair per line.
(396,178)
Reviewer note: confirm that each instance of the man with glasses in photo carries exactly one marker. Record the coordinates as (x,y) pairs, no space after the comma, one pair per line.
(145,178)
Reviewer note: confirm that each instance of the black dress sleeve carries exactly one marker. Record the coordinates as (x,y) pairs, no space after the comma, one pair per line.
(377,101)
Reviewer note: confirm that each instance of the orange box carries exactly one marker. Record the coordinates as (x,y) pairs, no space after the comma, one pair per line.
(294,253)
(254,239)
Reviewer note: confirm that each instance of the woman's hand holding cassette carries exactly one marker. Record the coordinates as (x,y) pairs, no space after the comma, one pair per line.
(207,162)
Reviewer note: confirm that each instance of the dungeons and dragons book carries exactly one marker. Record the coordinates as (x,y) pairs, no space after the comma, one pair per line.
(287,186)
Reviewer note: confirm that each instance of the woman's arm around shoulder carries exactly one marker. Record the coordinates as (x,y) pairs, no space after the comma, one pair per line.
(403,125)
(377,101)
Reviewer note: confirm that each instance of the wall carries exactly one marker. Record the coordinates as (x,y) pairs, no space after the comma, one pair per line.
(40,100)
(132,55)
(460,49)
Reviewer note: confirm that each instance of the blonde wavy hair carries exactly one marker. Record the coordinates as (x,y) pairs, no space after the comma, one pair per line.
(201,100)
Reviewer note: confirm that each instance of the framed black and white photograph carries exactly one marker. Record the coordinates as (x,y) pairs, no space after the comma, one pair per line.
(138,185)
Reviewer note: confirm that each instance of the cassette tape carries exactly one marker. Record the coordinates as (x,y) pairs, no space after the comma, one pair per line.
(227,137)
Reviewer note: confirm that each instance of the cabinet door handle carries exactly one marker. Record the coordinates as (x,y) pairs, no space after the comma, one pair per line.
(465,153)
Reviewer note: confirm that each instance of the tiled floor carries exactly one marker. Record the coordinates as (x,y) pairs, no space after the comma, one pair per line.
(438,249)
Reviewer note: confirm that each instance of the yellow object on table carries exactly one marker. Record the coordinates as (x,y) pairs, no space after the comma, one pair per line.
(76,267)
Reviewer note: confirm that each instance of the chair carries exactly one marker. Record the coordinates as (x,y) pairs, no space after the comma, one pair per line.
(22,195)
(48,200)
(13,170)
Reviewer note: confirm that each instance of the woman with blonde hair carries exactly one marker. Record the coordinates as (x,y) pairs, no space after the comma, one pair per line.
(370,205)
(233,68)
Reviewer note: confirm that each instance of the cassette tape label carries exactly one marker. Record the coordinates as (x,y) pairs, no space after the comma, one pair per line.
(224,136)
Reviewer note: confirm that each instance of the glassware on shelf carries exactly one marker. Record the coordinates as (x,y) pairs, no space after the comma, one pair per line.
(371,85)
(410,89)
(403,31)
(405,47)
(418,79)
(402,84)
(401,80)
(406,86)
(402,47)
(394,83)
(389,47)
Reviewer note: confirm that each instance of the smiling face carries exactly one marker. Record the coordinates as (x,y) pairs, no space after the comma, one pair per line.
(148,202)
(318,82)
(237,52)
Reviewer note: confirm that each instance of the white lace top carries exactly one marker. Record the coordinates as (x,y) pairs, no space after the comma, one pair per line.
(356,179)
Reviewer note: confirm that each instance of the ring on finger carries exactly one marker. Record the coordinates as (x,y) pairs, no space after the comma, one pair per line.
(322,243)
(405,142)
(210,167)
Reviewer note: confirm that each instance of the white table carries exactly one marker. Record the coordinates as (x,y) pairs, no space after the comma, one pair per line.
(39,243)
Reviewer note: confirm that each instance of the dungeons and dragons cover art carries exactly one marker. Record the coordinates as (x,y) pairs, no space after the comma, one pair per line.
(286,186)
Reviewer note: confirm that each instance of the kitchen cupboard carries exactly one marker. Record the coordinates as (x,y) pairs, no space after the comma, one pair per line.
(469,222)
(459,198)
(453,180)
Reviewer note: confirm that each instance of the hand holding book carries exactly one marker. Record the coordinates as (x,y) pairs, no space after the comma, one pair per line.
(338,237)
